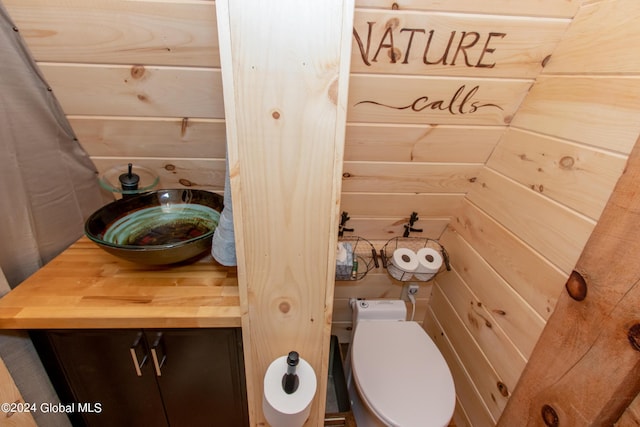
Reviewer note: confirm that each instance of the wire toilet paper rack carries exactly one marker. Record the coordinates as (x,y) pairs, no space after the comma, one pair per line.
(415,244)
(363,255)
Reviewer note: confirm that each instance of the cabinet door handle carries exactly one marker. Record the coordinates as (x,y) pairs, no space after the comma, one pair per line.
(158,353)
(138,355)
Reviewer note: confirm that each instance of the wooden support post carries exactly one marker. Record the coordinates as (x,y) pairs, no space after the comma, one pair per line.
(585,368)
(285,69)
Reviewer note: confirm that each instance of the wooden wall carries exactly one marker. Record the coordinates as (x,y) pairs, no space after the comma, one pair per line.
(525,220)
(434,86)
(504,124)
(140,81)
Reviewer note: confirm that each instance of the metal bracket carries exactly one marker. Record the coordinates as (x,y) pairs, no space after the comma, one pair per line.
(409,227)
(343,220)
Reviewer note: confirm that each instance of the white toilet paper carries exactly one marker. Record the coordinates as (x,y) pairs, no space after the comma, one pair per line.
(403,263)
(288,410)
(429,263)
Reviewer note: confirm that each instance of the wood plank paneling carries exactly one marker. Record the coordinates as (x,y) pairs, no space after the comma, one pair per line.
(150,137)
(376,284)
(531,275)
(551,229)
(388,228)
(136,90)
(577,176)
(388,205)
(433,100)
(561,8)
(205,174)
(494,343)
(119,32)
(478,368)
(496,306)
(601,39)
(595,326)
(410,143)
(401,42)
(470,409)
(184,33)
(408,177)
(598,111)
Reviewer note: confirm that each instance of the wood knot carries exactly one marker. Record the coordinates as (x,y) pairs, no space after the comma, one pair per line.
(550,416)
(503,389)
(332,93)
(545,61)
(137,71)
(170,167)
(275,115)
(393,23)
(185,182)
(634,336)
(567,162)
(284,307)
(576,286)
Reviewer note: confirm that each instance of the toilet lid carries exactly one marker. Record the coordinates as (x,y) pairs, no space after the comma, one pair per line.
(401,375)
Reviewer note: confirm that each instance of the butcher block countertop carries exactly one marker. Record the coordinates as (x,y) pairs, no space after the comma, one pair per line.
(85,287)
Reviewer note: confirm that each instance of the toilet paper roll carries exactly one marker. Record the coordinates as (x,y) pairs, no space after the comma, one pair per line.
(429,263)
(403,263)
(288,410)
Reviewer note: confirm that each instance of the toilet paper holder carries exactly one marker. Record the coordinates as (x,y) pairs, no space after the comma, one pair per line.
(414,244)
(290,381)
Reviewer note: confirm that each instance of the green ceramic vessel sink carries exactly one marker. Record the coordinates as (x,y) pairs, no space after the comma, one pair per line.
(157,228)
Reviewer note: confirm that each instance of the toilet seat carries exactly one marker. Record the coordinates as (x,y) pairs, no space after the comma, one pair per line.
(401,375)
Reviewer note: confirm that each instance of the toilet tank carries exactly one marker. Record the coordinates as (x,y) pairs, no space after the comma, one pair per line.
(379,310)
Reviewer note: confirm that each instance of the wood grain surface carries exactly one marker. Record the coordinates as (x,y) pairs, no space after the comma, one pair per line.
(86,287)
(15,416)
(585,367)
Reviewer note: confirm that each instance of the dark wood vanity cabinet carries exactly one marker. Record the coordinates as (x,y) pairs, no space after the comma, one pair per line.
(133,377)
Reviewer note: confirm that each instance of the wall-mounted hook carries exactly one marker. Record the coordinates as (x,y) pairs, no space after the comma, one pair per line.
(409,227)
(343,220)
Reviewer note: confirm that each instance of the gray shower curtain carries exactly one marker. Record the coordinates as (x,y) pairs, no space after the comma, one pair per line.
(48,187)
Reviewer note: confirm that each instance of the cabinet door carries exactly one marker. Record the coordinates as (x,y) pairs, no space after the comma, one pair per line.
(110,372)
(201,376)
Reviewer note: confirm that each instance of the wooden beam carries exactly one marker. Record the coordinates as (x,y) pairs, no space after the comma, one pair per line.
(285,69)
(585,368)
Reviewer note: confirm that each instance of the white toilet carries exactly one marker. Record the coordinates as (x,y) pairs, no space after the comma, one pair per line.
(396,374)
